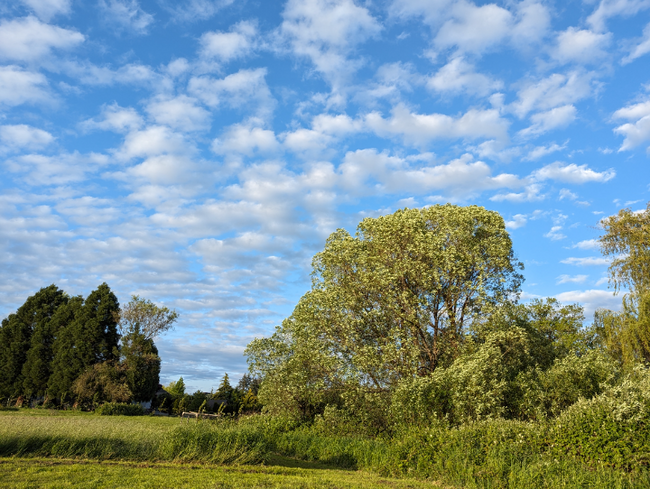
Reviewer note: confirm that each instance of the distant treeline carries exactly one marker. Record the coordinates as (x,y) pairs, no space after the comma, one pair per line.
(58,350)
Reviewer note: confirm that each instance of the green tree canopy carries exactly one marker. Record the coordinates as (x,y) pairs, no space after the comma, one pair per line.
(28,330)
(143,317)
(393,301)
(90,338)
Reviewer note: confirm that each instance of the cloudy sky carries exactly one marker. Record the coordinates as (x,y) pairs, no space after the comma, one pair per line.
(199,152)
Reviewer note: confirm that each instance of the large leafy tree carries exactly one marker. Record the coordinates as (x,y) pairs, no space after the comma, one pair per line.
(25,337)
(626,239)
(393,301)
(89,339)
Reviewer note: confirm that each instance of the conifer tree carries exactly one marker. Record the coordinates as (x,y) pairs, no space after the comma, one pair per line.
(142,363)
(16,337)
(90,339)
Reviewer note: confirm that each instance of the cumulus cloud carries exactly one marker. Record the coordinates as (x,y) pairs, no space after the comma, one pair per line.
(610,8)
(152,141)
(421,129)
(127,14)
(61,169)
(29,39)
(23,137)
(541,151)
(466,27)
(531,193)
(517,221)
(237,90)
(227,46)
(556,118)
(581,46)
(195,10)
(459,76)
(641,48)
(181,113)
(46,9)
(588,261)
(568,279)
(115,118)
(553,91)
(588,244)
(572,173)
(18,86)
(246,139)
(460,178)
(327,32)
(637,130)
(591,300)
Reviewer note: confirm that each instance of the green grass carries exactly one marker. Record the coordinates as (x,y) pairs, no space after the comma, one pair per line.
(117,451)
(61,473)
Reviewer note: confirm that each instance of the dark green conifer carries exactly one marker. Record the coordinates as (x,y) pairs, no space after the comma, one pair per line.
(91,338)
(16,337)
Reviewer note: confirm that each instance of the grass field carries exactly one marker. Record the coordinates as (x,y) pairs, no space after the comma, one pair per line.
(40,448)
(48,473)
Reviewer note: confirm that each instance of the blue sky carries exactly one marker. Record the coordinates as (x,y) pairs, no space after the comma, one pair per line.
(198,152)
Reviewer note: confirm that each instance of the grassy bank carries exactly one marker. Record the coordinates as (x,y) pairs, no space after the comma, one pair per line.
(51,474)
(488,455)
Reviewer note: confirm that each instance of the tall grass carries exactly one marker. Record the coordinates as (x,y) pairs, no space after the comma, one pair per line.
(488,454)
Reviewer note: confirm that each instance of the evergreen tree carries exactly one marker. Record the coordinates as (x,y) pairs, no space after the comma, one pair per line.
(142,364)
(16,337)
(38,364)
(90,339)
(66,366)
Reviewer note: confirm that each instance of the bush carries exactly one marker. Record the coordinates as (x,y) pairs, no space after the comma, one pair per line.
(119,409)
(611,429)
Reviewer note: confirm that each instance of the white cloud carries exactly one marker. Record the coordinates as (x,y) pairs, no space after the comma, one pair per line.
(572,173)
(581,46)
(556,118)
(568,279)
(474,29)
(29,39)
(591,300)
(246,139)
(46,9)
(531,193)
(115,118)
(226,46)
(541,151)
(642,47)
(127,14)
(193,10)
(554,234)
(459,76)
(553,91)
(181,113)
(237,90)
(588,244)
(517,221)
(23,137)
(565,193)
(61,169)
(421,129)
(326,32)
(588,261)
(366,170)
(152,141)
(610,8)
(18,86)
(637,131)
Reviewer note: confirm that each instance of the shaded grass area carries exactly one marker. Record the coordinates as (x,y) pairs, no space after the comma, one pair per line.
(495,454)
(48,473)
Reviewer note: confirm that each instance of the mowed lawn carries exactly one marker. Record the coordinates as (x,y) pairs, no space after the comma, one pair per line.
(112,470)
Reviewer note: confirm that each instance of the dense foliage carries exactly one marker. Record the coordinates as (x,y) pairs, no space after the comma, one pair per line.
(58,350)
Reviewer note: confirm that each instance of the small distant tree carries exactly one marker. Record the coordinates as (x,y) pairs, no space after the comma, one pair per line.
(176,389)
(249,383)
(141,316)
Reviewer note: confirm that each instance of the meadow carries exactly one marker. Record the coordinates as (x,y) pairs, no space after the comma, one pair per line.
(44,448)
